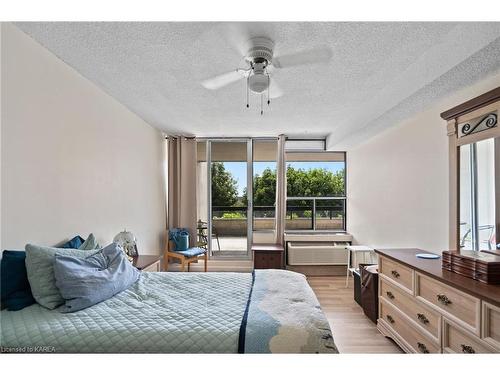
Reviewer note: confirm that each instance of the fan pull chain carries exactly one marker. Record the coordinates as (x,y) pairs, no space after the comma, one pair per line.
(261,101)
(268,90)
(248,106)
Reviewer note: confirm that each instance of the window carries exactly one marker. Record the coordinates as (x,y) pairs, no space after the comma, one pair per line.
(316,191)
(264,184)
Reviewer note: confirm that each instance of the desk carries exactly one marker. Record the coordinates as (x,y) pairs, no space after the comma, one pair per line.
(355,251)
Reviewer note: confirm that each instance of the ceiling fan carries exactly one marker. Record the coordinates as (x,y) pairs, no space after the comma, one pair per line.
(260,66)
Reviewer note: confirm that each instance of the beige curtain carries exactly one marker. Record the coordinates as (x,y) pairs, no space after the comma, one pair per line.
(182,185)
(280,191)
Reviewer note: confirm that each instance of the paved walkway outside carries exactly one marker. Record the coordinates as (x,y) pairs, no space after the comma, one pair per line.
(229,244)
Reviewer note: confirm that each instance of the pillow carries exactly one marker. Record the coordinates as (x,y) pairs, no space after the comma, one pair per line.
(40,269)
(15,287)
(74,243)
(90,243)
(85,282)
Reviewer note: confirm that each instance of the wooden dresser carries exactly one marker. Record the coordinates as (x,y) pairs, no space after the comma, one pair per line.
(426,309)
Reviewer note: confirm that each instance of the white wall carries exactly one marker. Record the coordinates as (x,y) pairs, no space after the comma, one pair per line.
(73,159)
(398,180)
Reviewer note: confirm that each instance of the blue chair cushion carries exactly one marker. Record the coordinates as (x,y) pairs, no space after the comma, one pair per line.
(192,252)
(15,288)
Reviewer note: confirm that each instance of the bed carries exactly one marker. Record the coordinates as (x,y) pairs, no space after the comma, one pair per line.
(267,311)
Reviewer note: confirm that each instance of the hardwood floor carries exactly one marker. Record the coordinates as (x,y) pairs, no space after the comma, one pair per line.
(352,330)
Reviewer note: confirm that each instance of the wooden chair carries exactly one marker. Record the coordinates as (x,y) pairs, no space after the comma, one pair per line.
(183,259)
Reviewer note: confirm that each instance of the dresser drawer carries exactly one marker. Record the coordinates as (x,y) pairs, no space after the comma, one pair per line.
(491,325)
(423,316)
(400,274)
(449,301)
(458,340)
(406,329)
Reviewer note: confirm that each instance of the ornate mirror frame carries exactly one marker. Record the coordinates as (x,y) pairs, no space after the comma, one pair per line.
(470,122)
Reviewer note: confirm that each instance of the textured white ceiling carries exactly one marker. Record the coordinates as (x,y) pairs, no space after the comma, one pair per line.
(380,73)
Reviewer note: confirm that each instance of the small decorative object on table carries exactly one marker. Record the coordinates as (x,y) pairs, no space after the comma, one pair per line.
(427,256)
(128,243)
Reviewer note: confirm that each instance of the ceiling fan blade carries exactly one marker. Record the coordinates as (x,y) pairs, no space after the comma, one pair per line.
(237,35)
(313,56)
(224,79)
(275,90)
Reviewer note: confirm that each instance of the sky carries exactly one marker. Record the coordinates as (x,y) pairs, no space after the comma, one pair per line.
(239,169)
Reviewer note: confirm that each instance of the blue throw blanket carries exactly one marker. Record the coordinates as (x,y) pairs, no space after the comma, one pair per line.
(283,315)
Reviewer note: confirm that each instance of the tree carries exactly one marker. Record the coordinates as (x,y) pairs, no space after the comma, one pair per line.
(264,188)
(224,186)
(315,182)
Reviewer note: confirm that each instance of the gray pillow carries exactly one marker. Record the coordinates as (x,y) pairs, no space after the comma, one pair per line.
(40,271)
(85,282)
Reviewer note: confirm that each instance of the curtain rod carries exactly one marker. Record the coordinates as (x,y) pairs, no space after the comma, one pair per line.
(270,138)
(166,136)
(211,138)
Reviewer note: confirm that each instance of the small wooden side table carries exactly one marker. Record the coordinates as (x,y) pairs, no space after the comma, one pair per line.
(267,256)
(149,263)
(356,250)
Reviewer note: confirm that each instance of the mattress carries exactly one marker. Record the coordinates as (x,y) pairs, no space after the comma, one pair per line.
(182,313)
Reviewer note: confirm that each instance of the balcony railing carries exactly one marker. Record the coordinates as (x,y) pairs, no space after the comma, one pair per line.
(332,211)
(321,215)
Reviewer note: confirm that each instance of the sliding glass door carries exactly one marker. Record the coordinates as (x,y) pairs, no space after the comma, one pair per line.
(236,193)
(227,202)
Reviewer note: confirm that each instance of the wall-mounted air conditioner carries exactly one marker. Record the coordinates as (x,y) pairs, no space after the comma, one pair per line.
(310,253)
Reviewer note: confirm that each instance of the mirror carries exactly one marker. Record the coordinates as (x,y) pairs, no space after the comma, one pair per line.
(477,195)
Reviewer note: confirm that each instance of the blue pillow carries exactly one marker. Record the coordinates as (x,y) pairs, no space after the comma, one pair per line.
(83,282)
(74,243)
(15,287)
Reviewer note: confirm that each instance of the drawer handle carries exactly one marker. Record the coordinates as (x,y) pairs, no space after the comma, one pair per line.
(467,349)
(422,318)
(443,299)
(390,319)
(395,274)
(422,348)
(390,295)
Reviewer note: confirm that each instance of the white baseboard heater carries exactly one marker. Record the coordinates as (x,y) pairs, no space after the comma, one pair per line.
(318,254)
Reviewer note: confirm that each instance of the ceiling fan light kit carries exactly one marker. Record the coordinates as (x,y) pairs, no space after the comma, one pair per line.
(259,57)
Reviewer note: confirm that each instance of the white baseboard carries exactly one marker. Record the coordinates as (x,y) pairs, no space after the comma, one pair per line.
(217,266)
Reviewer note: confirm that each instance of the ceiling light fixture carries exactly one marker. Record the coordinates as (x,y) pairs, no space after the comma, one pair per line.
(261,64)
